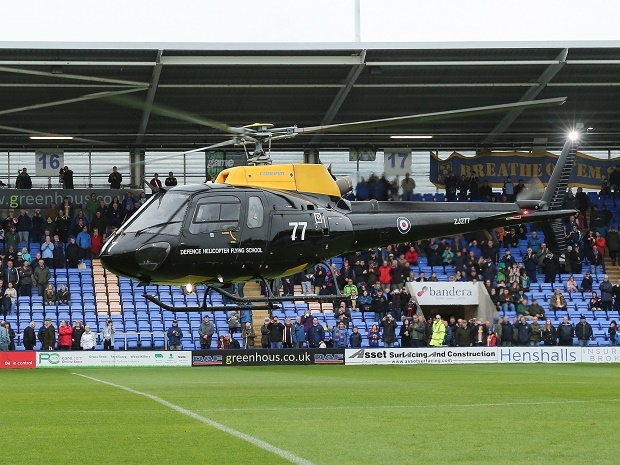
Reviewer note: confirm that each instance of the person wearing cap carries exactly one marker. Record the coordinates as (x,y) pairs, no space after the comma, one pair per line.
(175,334)
(583,331)
(265,333)
(49,336)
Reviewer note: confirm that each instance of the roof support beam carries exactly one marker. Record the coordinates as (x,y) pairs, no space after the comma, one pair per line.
(150,98)
(341,96)
(78,77)
(544,79)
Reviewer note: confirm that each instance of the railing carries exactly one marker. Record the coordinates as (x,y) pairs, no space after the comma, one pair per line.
(123,336)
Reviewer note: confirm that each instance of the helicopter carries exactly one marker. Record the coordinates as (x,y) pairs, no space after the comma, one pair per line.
(265,221)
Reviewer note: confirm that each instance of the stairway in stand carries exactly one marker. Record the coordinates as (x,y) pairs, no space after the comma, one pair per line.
(107,292)
(252,289)
(613,271)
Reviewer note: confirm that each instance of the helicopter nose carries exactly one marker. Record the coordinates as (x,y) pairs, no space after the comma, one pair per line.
(152,256)
(148,258)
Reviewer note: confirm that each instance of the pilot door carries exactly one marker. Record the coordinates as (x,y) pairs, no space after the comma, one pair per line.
(231,231)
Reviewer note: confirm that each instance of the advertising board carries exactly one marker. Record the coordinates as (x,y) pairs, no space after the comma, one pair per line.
(260,357)
(445,293)
(18,360)
(63,359)
(539,354)
(407,356)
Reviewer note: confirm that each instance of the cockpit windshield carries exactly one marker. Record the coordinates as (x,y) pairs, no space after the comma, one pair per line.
(164,215)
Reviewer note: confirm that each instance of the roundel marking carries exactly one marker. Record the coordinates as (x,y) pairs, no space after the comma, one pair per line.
(403,224)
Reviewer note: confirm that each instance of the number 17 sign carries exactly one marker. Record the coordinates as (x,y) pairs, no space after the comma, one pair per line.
(49,161)
(397,162)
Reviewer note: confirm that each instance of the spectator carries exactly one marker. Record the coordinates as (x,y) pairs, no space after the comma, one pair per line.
(156,182)
(25,279)
(23,180)
(29,338)
(596,261)
(92,204)
(223,343)
(63,297)
(451,183)
(88,341)
(66,177)
(565,333)
(49,336)
(84,244)
(315,334)
(276,333)
(536,337)
(613,244)
(37,227)
(439,332)
(115,178)
(175,334)
(265,332)
(571,284)
(107,334)
(388,324)
(463,337)
(206,331)
(47,252)
(41,277)
(536,310)
(73,254)
(96,242)
(406,332)
(606,289)
(340,336)
(233,322)
(287,334)
(583,331)
(247,334)
(4,337)
(507,332)
(524,332)
(232,342)
(594,304)
(374,336)
(49,295)
(586,283)
(76,336)
(10,299)
(418,335)
(612,331)
(557,301)
(549,334)
(355,339)
(408,185)
(171,181)
(65,333)
(299,333)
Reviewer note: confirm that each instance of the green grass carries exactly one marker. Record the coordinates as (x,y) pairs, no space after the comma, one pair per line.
(325,414)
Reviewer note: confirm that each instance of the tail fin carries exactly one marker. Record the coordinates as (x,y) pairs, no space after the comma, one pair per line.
(553,197)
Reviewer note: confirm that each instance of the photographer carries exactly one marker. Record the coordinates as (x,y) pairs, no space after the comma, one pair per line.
(175,334)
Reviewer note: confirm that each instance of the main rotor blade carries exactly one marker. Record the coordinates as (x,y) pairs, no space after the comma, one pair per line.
(441,115)
(163,110)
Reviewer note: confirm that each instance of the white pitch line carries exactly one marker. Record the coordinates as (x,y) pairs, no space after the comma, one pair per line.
(365,407)
(233,432)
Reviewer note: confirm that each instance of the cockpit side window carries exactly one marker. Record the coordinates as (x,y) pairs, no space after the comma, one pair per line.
(255,212)
(218,213)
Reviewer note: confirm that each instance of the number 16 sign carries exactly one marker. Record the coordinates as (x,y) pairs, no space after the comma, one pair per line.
(49,161)
(397,162)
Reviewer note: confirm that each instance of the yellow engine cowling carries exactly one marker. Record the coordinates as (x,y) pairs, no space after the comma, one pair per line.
(309,178)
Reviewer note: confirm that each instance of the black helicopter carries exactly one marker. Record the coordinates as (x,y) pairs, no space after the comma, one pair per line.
(267,221)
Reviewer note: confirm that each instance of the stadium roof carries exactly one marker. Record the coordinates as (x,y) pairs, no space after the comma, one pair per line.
(52,89)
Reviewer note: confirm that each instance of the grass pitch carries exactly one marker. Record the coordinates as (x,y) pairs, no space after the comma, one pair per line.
(324,414)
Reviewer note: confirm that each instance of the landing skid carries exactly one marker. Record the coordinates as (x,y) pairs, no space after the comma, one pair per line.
(242,303)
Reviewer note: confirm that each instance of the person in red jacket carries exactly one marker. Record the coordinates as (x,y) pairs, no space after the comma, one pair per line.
(65,333)
(412,256)
(385,275)
(96,242)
